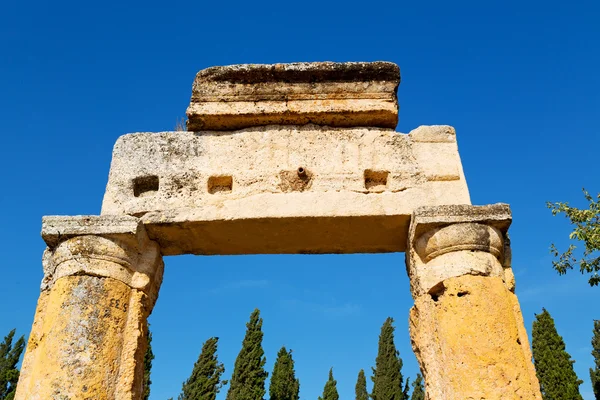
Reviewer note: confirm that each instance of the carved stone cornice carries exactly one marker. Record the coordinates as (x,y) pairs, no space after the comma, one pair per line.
(450,241)
(106,246)
(462,236)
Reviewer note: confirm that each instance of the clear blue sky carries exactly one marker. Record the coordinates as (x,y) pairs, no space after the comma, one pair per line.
(518,80)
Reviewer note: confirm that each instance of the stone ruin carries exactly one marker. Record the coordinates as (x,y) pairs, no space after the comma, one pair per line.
(283,158)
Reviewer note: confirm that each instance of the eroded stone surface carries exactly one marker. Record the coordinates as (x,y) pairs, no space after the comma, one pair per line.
(470,342)
(466,325)
(273,189)
(323,93)
(118,245)
(454,240)
(81,347)
(56,229)
(101,280)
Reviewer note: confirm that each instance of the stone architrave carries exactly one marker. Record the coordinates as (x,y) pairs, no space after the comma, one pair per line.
(466,326)
(101,280)
(283,189)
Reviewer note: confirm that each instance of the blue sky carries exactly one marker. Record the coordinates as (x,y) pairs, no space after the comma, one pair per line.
(518,81)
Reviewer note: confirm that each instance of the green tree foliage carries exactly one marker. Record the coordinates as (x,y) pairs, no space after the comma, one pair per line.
(205,381)
(148,357)
(595,372)
(553,364)
(418,389)
(9,357)
(361,387)
(330,390)
(284,384)
(249,375)
(586,229)
(387,374)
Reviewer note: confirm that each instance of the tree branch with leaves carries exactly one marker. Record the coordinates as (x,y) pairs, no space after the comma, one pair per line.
(586,229)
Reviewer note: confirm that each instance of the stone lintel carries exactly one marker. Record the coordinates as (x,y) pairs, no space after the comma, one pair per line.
(179,233)
(296,222)
(323,93)
(283,189)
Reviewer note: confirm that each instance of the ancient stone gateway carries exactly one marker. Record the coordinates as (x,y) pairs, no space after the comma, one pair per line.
(285,158)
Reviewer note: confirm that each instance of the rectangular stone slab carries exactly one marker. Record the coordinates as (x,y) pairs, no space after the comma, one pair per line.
(58,228)
(324,93)
(427,218)
(284,189)
(178,234)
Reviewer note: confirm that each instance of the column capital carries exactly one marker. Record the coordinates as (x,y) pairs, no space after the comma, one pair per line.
(444,240)
(119,246)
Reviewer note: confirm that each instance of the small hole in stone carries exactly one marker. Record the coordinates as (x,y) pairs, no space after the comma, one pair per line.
(461,294)
(376,181)
(220,184)
(143,185)
(518,341)
(297,180)
(437,291)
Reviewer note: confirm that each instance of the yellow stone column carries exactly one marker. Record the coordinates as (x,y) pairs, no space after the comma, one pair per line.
(88,340)
(466,326)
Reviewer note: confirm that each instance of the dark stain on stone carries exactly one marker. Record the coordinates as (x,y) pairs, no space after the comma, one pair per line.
(302,72)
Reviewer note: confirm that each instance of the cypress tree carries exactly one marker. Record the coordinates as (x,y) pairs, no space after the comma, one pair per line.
(553,364)
(387,375)
(361,387)
(9,357)
(330,390)
(205,381)
(148,357)
(418,389)
(284,384)
(249,375)
(595,373)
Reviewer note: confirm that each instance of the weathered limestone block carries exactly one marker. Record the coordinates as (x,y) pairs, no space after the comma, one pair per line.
(466,326)
(89,334)
(119,246)
(283,189)
(451,241)
(470,344)
(322,93)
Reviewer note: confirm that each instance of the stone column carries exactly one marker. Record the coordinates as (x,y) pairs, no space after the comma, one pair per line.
(466,326)
(101,280)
